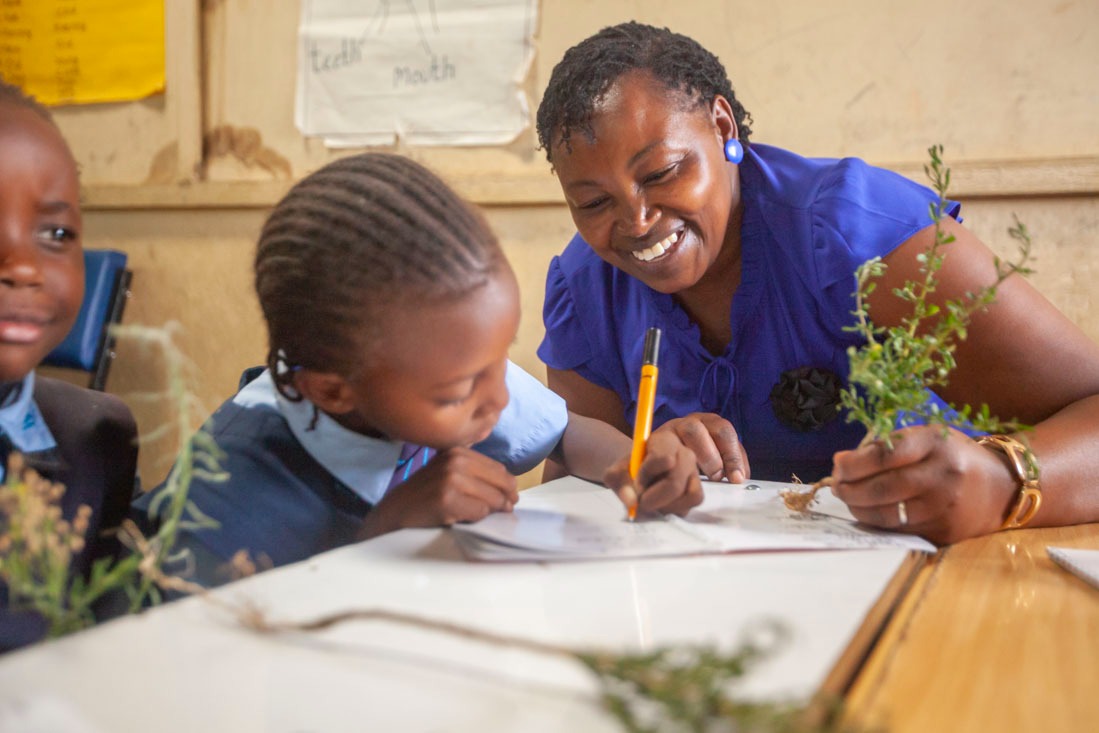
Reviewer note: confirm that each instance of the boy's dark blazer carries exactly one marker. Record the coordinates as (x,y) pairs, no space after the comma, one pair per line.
(96,460)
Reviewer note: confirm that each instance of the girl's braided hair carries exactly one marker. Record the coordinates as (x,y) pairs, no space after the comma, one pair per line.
(589,68)
(362,231)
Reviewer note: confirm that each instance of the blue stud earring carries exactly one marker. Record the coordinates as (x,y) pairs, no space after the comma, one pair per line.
(734,151)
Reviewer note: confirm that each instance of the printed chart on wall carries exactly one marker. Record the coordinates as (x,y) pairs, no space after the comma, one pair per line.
(83,51)
(431,72)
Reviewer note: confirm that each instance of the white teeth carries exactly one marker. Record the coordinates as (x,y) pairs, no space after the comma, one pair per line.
(657,249)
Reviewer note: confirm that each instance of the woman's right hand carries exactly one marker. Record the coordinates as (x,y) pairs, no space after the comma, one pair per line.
(457,485)
(715,443)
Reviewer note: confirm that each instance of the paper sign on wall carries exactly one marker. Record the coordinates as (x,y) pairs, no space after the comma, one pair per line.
(82,51)
(433,72)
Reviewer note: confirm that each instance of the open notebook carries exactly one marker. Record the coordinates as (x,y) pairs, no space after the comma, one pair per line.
(572,519)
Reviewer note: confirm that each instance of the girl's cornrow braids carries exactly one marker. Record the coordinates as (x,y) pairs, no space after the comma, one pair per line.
(362,230)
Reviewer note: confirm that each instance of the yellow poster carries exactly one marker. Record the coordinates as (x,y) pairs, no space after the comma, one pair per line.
(83,51)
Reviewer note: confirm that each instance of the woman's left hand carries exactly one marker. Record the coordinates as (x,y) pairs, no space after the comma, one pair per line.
(715,443)
(945,488)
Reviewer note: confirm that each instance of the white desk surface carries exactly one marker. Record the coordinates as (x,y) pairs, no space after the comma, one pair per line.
(188,666)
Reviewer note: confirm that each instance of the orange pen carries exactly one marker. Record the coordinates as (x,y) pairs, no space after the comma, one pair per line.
(646,403)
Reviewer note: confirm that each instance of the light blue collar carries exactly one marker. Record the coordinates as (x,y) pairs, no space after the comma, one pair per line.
(22,422)
(363,463)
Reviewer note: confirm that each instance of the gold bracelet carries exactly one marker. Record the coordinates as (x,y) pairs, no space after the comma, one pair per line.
(1025,467)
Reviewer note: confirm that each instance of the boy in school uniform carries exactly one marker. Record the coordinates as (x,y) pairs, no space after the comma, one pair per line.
(83,439)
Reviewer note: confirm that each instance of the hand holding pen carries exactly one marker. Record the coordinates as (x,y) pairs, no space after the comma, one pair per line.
(661,474)
(646,404)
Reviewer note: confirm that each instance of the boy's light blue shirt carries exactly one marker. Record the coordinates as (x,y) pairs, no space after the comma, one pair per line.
(22,423)
(529,428)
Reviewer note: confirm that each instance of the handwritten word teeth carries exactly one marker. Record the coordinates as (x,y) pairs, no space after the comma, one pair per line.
(657,249)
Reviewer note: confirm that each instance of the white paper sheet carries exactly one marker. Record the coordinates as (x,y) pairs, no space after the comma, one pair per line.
(1084,563)
(433,72)
(732,518)
(43,713)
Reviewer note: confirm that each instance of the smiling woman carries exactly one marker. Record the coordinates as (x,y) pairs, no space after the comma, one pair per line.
(745,255)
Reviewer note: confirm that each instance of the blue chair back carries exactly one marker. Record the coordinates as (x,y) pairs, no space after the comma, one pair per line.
(88,347)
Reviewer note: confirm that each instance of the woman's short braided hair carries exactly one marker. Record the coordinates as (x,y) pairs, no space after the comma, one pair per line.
(589,68)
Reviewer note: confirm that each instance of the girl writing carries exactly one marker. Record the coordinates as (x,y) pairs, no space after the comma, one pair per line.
(388,400)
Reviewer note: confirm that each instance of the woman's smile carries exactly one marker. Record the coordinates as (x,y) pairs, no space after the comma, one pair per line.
(658,250)
(653,194)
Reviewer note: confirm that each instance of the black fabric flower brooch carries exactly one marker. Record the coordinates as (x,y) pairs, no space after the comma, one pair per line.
(806,398)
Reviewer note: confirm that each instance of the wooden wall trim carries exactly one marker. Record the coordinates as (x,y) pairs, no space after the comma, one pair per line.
(1016,178)
(969,180)
(184,72)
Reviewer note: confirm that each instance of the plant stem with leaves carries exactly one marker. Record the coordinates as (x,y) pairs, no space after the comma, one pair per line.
(37,544)
(198,455)
(892,372)
(666,690)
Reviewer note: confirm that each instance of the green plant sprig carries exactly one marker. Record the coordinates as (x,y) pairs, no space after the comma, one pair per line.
(199,455)
(37,544)
(891,372)
(692,689)
(669,689)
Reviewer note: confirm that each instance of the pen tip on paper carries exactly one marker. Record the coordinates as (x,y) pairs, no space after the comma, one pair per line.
(628,495)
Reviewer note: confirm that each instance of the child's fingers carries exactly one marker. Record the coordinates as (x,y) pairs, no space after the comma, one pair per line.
(672,495)
(669,478)
(471,507)
(688,500)
(618,475)
(491,496)
(628,496)
(467,499)
(485,475)
(617,478)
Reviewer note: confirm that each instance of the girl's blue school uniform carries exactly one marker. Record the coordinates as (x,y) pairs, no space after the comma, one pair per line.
(807,225)
(85,440)
(296,488)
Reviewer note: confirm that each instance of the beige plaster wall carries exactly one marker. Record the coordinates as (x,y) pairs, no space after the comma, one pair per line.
(1007,87)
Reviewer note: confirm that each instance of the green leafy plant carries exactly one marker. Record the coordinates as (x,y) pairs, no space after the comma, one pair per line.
(36,547)
(198,456)
(891,372)
(666,690)
(693,689)
(37,544)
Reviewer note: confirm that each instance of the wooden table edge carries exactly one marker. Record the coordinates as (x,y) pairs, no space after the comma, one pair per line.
(845,686)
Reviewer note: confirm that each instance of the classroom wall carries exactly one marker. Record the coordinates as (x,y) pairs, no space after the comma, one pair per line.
(1006,87)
